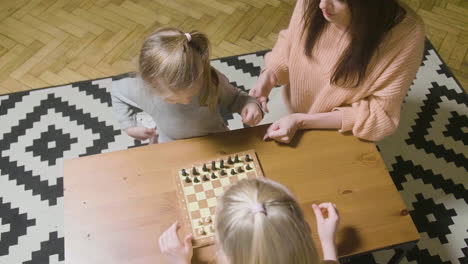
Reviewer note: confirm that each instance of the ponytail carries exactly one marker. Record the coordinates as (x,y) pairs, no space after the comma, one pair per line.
(259,222)
(180,59)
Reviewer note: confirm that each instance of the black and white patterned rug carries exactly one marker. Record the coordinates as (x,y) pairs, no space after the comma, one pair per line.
(427,158)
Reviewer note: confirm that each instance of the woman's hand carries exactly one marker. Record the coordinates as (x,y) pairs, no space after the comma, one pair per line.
(251,114)
(174,250)
(284,129)
(327,224)
(142,133)
(262,88)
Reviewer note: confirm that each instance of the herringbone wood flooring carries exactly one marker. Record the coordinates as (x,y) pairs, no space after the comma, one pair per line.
(52,42)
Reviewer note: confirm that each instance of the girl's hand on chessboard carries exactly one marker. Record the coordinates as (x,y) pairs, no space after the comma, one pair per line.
(174,250)
(327,224)
(251,114)
(141,133)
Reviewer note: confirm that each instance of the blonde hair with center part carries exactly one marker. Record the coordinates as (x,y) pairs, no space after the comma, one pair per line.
(168,54)
(277,234)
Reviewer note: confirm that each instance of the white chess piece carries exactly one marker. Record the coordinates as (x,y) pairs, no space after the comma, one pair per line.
(147,121)
(201,231)
(207,219)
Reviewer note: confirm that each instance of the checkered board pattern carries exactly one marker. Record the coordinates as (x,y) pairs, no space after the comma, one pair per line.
(198,192)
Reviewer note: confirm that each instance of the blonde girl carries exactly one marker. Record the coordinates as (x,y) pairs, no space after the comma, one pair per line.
(259,222)
(179,89)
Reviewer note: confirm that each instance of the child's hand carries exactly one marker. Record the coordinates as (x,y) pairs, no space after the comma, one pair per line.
(174,250)
(251,114)
(141,133)
(284,129)
(327,224)
(262,88)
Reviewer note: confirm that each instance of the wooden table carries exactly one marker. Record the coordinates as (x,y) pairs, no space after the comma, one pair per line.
(117,204)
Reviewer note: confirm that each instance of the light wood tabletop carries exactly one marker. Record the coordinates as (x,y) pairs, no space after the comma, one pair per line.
(117,204)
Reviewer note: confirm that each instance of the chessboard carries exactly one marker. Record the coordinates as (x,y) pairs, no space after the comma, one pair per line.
(200,184)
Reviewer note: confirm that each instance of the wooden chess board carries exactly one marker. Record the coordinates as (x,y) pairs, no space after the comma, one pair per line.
(200,184)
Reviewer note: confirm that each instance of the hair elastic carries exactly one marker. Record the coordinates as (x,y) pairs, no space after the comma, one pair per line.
(258,208)
(189,37)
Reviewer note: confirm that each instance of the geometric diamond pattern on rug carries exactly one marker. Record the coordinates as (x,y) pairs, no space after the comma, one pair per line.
(426,118)
(51,145)
(439,222)
(51,247)
(426,158)
(17,226)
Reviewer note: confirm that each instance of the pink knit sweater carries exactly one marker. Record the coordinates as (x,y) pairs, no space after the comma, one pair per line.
(372,110)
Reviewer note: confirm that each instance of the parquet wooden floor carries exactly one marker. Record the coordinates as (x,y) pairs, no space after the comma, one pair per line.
(52,42)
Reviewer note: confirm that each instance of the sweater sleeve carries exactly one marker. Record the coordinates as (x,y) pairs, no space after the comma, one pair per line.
(277,60)
(378,115)
(231,98)
(125,103)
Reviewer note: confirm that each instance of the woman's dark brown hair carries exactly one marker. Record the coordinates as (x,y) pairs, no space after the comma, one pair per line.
(370,21)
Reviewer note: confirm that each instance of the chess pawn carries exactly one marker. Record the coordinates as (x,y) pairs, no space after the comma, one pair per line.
(221,164)
(184,172)
(240,170)
(205,178)
(229,161)
(236,159)
(248,167)
(194,171)
(247,158)
(196,180)
(213,165)
(187,180)
(205,169)
(213,176)
(207,219)
(201,231)
(223,173)
(233,172)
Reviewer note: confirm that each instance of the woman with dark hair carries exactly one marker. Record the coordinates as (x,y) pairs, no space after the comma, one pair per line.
(343,64)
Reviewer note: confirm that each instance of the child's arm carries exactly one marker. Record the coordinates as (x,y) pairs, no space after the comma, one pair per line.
(327,224)
(125,103)
(237,101)
(174,250)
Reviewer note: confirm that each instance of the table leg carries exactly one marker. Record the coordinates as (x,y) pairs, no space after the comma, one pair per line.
(400,252)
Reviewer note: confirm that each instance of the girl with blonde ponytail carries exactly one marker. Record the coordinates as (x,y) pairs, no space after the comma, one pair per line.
(259,222)
(179,89)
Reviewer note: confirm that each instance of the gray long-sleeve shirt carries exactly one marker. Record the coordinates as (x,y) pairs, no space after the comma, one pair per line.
(175,121)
